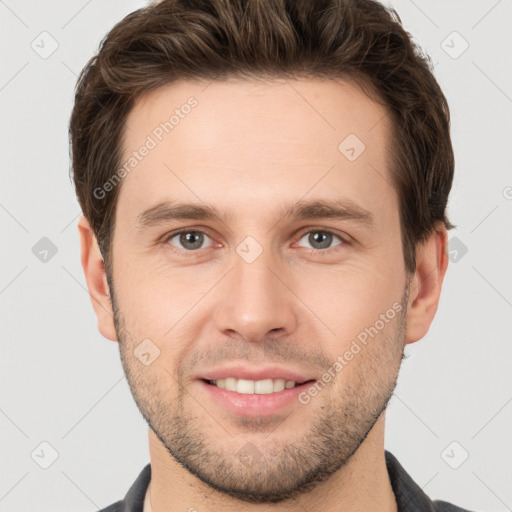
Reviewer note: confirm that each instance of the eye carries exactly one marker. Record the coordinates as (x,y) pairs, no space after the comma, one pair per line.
(321,239)
(189,239)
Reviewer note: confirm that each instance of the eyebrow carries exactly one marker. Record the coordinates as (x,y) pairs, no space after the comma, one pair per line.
(300,210)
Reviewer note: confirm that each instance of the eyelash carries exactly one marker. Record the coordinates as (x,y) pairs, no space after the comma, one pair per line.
(315,252)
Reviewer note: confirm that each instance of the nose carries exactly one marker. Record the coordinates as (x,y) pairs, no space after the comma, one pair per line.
(256,300)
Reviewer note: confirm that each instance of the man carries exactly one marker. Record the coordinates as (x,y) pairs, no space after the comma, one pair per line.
(264,187)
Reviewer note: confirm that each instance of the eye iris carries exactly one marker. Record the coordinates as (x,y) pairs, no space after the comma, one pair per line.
(188,237)
(315,235)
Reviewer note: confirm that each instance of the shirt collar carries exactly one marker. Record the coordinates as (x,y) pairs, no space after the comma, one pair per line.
(408,494)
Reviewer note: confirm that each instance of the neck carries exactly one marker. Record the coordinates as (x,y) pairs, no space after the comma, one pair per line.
(362,484)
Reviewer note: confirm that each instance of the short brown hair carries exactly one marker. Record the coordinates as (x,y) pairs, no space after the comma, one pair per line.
(359,40)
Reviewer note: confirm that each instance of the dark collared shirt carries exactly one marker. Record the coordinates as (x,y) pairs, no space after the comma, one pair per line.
(409,496)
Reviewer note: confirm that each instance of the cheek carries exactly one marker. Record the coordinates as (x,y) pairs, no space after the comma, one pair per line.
(163,305)
(350,298)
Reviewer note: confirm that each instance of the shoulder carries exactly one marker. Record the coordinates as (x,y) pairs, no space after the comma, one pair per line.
(115,507)
(409,495)
(444,506)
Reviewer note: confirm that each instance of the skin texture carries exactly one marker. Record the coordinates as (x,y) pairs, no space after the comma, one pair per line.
(251,148)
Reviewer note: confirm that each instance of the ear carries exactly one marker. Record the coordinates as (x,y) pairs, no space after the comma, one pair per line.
(94,270)
(425,288)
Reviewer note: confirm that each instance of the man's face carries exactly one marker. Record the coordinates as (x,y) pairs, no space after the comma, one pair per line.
(247,290)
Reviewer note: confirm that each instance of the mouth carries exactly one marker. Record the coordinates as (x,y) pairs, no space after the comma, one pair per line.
(254,398)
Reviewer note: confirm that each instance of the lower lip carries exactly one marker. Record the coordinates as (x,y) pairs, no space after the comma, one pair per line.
(255,405)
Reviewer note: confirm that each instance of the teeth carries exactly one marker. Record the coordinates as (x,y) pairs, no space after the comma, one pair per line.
(249,387)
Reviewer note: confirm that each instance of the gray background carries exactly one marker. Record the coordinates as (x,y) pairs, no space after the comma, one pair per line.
(62,383)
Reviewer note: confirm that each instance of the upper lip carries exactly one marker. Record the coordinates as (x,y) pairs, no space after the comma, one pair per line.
(256,373)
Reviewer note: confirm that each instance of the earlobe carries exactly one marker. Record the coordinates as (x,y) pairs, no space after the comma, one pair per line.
(426,284)
(95,276)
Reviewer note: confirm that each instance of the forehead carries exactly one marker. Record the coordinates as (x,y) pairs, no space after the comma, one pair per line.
(245,142)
